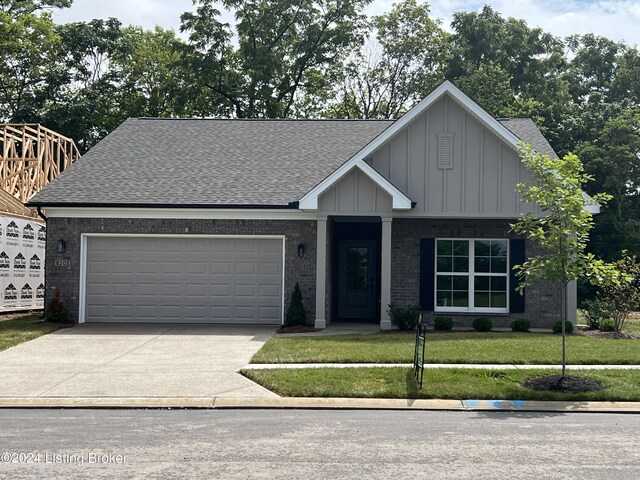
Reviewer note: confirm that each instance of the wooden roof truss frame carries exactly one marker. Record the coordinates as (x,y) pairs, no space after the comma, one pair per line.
(32,156)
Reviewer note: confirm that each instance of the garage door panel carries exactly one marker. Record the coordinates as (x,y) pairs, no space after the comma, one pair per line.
(147,266)
(222,245)
(220,290)
(172,267)
(267,313)
(270,268)
(147,289)
(98,312)
(196,267)
(246,291)
(245,268)
(164,279)
(99,289)
(245,313)
(269,291)
(220,268)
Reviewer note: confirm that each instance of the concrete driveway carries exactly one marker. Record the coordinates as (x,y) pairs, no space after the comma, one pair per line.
(117,360)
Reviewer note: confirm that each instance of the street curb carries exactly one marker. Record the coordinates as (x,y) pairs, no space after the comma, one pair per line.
(318,403)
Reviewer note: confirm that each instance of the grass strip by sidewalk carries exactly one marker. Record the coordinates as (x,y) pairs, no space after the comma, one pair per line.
(452,347)
(19,330)
(444,383)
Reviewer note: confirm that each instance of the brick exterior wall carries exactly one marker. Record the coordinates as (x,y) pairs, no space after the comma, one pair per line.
(297,269)
(542,301)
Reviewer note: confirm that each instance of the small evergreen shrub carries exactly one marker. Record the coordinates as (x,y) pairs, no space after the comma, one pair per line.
(607,325)
(405,318)
(520,325)
(443,323)
(557,327)
(55,310)
(595,312)
(296,314)
(482,324)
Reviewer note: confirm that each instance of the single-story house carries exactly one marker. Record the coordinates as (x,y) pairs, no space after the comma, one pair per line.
(216,220)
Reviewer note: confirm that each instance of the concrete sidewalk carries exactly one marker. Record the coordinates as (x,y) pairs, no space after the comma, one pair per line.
(476,366)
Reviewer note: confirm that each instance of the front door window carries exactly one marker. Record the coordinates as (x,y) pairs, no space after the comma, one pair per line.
(357,280)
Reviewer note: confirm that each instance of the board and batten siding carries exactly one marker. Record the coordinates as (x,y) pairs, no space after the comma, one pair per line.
(356,193)
(483,174)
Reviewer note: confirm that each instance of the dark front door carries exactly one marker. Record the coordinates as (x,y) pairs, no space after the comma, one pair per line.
(357,279)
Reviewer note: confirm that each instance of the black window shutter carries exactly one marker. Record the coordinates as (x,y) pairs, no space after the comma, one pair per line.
(517,255)
(427,273)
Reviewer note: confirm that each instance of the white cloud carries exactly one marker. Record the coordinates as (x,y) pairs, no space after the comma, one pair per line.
(616,19)
(146,13)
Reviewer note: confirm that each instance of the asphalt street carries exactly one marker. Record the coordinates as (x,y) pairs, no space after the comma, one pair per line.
(316,444)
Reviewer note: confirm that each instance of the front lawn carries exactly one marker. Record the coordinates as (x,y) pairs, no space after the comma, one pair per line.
(444,383)
(452,347)
(19,330)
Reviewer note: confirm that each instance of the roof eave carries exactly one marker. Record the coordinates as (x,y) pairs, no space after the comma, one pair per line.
(45,204)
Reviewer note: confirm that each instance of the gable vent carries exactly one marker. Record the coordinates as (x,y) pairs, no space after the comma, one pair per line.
(445,151)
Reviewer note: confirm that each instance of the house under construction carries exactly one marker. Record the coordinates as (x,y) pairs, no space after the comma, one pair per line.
(32,156)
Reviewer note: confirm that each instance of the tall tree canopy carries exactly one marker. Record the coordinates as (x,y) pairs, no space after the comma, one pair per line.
(403,60)
(282,46)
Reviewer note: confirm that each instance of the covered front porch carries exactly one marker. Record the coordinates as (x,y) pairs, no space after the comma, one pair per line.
(353,270)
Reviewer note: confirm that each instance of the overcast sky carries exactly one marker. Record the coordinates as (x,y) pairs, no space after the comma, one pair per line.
(616,19)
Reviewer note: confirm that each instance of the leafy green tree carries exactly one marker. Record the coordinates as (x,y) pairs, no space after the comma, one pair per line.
(562,231)
(613,159)
(487,47)
(115,72)
(16,8)
(30,50)
(623,297)
(280,45)
(396,68)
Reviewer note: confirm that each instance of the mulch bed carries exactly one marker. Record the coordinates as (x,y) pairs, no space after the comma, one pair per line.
(298,329)
(568,384)
(601,334)
(14,315)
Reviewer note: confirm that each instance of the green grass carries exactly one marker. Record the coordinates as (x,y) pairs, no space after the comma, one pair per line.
(19,330)
(453,347)
(632,325)
(398,382)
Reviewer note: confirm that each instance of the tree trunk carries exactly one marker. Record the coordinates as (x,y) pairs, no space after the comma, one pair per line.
(563,316)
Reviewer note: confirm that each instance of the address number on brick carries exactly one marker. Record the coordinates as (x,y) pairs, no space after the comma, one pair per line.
(63,263)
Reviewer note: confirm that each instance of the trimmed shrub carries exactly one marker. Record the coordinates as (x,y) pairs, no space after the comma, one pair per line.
(607,325)
(55,310)
(442,323)
(595,312)
(557,327)
(405,318)
(520,325)
(296,314)
(482,324)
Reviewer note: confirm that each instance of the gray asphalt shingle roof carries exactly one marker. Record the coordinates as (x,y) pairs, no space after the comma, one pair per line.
(210,161)
(526,130)
(217,162)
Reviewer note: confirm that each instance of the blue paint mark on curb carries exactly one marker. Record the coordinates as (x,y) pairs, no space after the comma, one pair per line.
(495,404)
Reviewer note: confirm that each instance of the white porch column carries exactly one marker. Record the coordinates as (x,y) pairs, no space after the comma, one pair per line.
(321,273)
(385,274)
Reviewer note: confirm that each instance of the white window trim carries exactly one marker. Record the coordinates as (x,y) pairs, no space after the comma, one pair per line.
(471,273)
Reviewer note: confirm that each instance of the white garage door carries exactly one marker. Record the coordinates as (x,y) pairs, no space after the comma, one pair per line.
(183,280)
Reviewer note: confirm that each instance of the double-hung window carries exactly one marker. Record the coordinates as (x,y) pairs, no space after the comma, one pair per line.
(472,275)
